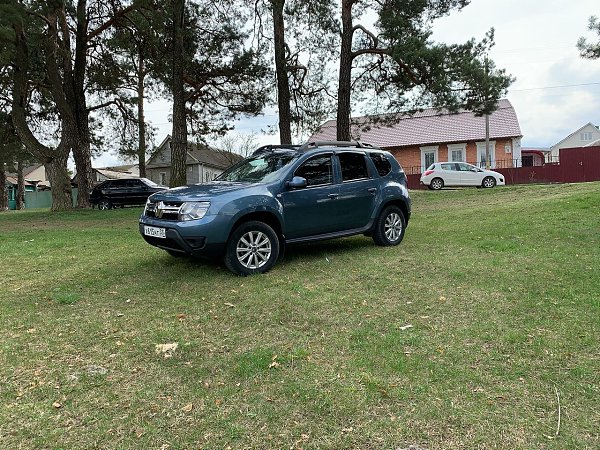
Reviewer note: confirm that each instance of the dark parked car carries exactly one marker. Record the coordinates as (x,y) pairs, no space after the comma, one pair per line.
(282,195)
(125,191)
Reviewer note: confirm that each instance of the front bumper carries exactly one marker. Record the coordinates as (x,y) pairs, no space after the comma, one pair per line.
(204,237)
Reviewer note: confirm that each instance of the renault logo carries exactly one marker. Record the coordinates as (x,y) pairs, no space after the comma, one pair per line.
(159,210)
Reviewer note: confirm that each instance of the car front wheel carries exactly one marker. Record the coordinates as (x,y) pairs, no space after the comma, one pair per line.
(253,247)
(104,204)
(488,182)
(436,184)
(390,226)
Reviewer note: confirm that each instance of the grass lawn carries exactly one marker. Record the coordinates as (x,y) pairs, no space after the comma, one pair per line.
(500,287)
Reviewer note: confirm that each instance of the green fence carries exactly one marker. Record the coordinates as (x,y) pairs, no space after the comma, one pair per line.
(43,199)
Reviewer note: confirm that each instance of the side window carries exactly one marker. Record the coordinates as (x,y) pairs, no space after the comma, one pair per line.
(448,166)
(354,166)
(134,183)
(464,167)
(317,170)
(116,184)
(382,164)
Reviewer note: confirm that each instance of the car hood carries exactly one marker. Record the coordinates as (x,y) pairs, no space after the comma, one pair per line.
(198,192)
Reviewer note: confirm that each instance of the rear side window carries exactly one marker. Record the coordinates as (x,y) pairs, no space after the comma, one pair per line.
(354,166)
(448,166)
(382,164)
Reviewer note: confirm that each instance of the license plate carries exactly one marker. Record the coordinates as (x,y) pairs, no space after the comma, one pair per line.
(155,232)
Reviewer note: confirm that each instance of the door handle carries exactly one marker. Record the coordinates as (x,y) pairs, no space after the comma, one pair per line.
(333,196)
(373,190)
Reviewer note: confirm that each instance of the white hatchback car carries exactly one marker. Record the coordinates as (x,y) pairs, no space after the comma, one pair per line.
(443,174)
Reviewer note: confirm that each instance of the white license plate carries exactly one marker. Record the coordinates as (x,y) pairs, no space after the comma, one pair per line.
(155,232)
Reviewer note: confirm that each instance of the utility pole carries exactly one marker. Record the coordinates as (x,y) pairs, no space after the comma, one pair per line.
(487,118)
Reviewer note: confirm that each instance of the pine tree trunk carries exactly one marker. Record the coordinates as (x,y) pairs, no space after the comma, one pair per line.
(55,160)
(3,190)
(179,138)
(20,199)
(56,169)
(141,119)
(283,85)
(82,153)
(83,165)
(345,75)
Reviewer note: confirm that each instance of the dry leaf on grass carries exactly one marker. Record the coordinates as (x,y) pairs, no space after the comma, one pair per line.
(187,408)
(166,350)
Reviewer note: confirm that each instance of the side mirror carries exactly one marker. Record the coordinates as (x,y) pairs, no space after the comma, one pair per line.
(297,183)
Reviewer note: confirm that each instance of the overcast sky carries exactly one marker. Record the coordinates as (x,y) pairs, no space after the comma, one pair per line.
(555,92)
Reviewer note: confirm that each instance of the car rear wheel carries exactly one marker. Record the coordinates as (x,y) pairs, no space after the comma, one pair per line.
(104,204)
(253,247)
(436,184)
(488,182)
(390,226)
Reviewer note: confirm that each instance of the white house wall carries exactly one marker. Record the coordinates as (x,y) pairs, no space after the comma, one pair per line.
(575,140)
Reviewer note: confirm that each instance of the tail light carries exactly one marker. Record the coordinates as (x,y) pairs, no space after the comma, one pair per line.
(427,172)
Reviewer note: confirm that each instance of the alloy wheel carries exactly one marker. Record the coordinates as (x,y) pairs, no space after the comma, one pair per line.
(393,227)
(253,249)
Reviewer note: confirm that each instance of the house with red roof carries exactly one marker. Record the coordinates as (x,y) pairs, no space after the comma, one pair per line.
(419,139)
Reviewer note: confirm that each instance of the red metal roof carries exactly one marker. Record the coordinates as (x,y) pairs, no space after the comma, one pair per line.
(430,126)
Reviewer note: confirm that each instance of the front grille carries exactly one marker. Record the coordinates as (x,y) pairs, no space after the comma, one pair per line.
(163,210)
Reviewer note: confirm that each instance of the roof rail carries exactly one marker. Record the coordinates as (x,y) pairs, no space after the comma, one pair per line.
(268,148)
(314,144)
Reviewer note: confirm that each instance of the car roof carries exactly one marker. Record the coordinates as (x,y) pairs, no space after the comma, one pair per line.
(317,145)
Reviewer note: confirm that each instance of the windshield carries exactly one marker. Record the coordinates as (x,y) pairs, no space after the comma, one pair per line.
(149,182)
(259,169)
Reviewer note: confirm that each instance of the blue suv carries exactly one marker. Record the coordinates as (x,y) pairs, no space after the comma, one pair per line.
(282,195)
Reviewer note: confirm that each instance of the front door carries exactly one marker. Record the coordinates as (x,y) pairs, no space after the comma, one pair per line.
(314,209)
(469,175)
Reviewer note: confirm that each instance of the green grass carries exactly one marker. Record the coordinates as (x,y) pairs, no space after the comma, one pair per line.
(501,287)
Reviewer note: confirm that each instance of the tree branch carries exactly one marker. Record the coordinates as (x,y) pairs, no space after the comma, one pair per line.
(119,14)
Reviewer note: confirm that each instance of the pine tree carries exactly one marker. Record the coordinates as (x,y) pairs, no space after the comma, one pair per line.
(590,50)
(403,68)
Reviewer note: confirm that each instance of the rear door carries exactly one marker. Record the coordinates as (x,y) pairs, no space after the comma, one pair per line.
(450,174)
(358,190)
(117,191)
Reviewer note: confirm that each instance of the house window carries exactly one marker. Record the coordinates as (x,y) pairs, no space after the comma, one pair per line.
(206,176)
(481,155)
(507,148)
(586,136)
(163,178)
(429,155)
(457,152)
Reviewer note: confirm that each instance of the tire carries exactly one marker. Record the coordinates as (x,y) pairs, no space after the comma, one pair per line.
(436,184)
(488,182)
(104,204)
(389,227)
(253,247)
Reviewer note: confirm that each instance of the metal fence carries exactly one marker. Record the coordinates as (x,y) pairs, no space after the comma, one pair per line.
(498,164)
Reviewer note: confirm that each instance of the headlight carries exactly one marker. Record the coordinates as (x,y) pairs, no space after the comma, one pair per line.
(150,207)
(193,210)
